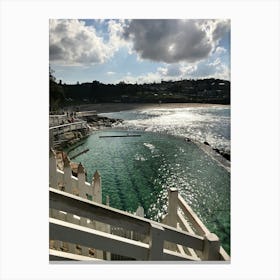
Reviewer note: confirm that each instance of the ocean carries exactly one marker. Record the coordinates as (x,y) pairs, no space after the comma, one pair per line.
(138,171)
(210,124)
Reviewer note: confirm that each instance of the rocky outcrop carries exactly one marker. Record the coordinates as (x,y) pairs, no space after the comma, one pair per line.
(97,122)
(94,122)
(226,155)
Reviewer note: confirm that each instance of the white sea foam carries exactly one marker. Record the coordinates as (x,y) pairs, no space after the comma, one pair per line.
(149,146)
(139,157)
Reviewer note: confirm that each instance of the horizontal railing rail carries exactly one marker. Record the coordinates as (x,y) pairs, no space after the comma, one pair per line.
(69,203)
(181,214)
(56,131)
(56,255)
(69,125)
(197,224)
(158,233)
(76,185)
(180,236)
(191,215)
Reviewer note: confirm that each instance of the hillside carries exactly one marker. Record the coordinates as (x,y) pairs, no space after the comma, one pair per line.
(212,91)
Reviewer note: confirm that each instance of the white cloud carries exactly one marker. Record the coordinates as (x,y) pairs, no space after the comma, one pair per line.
(116,29)
(162,71)
(141,79)
(189,69)
(188,48)
(201,70)
(177,71)
(111,73)
(211,69)
(74,43)
(216,62)
(220,50)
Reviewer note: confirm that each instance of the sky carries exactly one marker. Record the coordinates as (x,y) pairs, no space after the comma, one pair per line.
(139,50)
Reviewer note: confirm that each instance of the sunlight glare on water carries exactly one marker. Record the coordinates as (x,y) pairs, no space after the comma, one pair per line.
(201,124)
(140,170)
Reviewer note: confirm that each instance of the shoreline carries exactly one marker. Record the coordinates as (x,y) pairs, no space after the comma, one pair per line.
(101,108)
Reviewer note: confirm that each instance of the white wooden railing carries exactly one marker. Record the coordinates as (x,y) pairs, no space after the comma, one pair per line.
(64,180)
(55,120)
(156,232)
(181,215)
(68,127)
(56,131)
(80,225)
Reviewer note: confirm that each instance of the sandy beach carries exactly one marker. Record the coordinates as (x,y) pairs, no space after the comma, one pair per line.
(117,107)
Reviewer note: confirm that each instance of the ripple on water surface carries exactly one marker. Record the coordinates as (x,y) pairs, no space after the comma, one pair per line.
(139,171)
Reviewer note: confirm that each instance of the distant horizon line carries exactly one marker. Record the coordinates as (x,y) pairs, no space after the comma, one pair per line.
(59,81)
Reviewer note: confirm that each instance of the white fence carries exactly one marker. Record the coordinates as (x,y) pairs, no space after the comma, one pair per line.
(55,120)
(63,128)
(63,180)
(55,132)
(81,228)
(181,216)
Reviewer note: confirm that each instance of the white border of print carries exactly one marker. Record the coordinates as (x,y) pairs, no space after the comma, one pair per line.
(255,138)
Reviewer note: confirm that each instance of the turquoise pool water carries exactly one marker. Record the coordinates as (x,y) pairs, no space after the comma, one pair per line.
(139,170)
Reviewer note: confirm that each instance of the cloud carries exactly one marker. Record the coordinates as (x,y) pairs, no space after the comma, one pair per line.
(115,30)
(220,28)
(220,50)
(174,71)
(177,71)
(111,73)
(212,68)
(149,77)
(74,43)
(172,40)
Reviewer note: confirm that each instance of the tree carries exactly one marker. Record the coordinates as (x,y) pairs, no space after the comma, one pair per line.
(56,92)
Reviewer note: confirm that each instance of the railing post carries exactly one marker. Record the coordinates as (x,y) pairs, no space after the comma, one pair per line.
(67,175)
(68,188)
(51,138)
(172,207)
(97,197)
(171,219)
(53,183)
(97,189)
(81,181)
(108,254)
(156,242)
(82,193)
(211,247)
(52,169)
(140,212)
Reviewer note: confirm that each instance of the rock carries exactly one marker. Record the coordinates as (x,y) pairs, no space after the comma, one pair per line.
(226,155)
(206,143)
(69,135)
